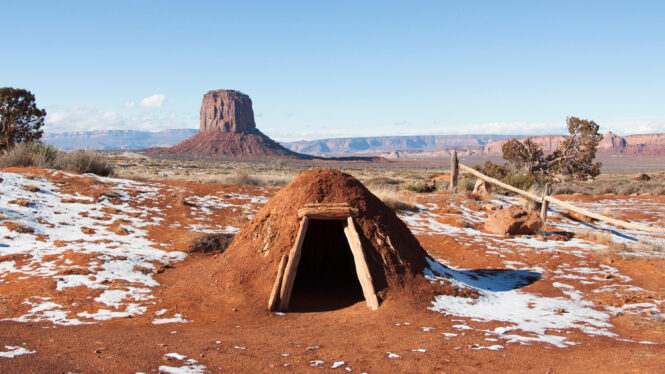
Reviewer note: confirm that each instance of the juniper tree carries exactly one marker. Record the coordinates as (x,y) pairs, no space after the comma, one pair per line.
(20,119)
(525,155)
(574,158)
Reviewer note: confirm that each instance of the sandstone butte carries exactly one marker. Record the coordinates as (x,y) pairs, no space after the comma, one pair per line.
(227,131)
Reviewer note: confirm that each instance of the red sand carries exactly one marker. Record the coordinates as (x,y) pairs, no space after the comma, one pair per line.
(354,334)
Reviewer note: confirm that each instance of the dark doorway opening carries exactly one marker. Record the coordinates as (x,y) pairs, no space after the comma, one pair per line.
(326,278)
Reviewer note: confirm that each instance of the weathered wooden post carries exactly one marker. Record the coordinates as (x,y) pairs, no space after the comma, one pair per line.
(544,203)
(454,171)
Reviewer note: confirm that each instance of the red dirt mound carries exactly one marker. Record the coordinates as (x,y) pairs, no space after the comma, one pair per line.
(246,272)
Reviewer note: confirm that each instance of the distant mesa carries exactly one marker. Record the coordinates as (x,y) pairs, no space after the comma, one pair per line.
(612,144)
(227,131)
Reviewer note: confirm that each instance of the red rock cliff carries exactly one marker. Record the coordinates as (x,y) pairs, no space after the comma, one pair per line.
(226,111)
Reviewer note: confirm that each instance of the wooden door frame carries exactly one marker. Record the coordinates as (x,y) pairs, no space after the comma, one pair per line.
(286,273)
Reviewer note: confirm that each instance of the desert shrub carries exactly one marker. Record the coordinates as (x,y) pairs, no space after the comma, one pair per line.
(627,188)
(382,181)
(81,161)
(644,177)
(563,189)
(465,183)
(529,204)
(211,243)
(521,181)
(275,180)
(395,200)
(505,174)
(418,186)
(29,154)
(604,188)
(496,171)
(598,236)
(659,190)
(242,178)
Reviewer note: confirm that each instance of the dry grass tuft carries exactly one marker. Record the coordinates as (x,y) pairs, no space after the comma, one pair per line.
(465,183)
(421,186)
(528,204)
(211,243)
(382,182)
(243,178)
(29,154)
(31,188)
(614,185)
(598,236)
(21,202)
(395,200)
(83,162)
(111,194)
(46,156)
(19,227)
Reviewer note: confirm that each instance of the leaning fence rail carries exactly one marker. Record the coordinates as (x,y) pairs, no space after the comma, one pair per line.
(543,199)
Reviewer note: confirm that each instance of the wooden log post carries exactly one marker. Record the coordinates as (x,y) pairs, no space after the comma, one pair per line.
(454,171)
(274,294)
(292,266)
(362,270)
(544,204)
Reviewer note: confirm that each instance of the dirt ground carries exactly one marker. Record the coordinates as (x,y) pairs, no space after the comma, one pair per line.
(82,292)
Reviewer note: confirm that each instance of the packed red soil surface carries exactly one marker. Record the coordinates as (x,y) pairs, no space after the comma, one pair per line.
(222,296)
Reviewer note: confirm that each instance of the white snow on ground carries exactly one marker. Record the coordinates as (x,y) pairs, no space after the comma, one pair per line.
(14,351)
(337,364)
(191,366)
(526,317)
(529,313)
(118,266)
(177,318)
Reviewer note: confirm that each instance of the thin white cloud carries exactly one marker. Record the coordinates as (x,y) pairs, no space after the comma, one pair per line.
(154,101)
(129,104)
(620,127)
(88,119)
(402,128)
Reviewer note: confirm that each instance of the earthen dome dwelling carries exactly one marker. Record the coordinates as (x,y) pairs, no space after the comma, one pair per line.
(332,187)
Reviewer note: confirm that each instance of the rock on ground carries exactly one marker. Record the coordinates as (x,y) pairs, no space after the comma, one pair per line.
(513,220)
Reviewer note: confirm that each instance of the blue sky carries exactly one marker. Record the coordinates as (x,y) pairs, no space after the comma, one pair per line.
(326,69)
